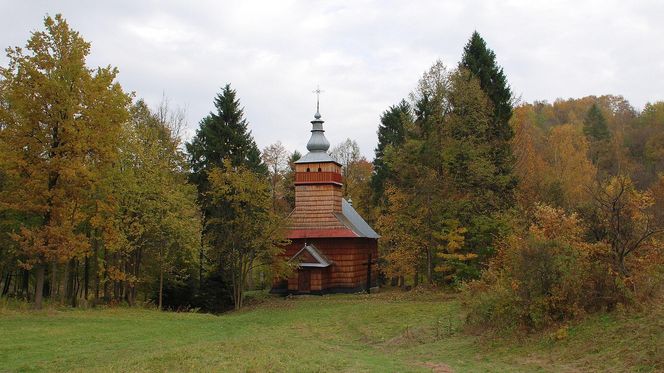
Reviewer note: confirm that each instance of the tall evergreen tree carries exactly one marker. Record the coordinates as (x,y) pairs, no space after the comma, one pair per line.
(223,134)
(391,132)
(594,125)
(481,62)
(443,180)
(222,140)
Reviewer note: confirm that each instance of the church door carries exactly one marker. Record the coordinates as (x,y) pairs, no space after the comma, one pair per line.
(304,281)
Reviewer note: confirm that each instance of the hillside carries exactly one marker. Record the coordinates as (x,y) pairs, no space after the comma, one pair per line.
(382,332)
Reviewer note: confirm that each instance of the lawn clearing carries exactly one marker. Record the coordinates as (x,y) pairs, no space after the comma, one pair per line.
(382,332)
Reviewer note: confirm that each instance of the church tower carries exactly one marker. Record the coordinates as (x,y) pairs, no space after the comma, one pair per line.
(334,248)
(318,184)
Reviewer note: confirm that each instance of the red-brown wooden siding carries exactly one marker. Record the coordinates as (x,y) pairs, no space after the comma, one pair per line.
(349,257)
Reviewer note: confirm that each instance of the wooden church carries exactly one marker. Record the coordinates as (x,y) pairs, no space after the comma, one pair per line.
(334,249)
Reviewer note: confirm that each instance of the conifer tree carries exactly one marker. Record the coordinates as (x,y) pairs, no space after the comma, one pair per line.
(391,132)
(594,125)
(444,170)
(223,140)
(481,62)
(223,134)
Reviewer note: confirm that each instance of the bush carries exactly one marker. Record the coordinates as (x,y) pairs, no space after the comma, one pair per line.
(542,282)
(544,276)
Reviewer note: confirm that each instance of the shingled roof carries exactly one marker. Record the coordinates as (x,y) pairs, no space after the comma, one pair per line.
(347,223)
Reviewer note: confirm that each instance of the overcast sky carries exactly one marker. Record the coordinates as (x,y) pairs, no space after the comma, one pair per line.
(366,55)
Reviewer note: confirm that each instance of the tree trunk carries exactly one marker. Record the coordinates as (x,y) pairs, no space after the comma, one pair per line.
(18,273)
(137,273)
(125,284)
(161,276)
(69,281)
(200,267)
(8,281)
(250,280)
(86,278)
(237,283)
(39,286)
(106,293)
(239,279)
(3,279)
(74,283)
(622,267)
(161,286)
(95,269)
(65,285)
(54,280)
(25,285)
(429,266)
(238,291)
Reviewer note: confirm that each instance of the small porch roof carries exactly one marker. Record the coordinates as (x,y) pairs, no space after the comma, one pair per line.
(319,260)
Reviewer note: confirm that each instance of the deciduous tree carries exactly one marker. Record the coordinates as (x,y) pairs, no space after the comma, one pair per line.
(223,136)
(627,219)
(275,158)
(61,123)
(347,154)
(157,217)
(248,233)
(570,172)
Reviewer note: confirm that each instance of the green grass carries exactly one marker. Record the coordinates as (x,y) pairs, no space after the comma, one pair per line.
(389,332)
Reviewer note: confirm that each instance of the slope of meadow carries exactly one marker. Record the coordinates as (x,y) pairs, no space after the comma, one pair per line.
(383,332)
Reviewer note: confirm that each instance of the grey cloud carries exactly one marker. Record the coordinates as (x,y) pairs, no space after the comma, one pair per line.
(366,55)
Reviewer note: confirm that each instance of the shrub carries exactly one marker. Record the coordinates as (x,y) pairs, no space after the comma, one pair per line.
(542,276)
(542,282)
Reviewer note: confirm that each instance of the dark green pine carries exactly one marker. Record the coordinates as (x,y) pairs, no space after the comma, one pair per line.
(594,125)
(481,62)
(223,134)
(391,131)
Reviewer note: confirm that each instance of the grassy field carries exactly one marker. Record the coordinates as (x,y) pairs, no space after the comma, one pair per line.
(389,332)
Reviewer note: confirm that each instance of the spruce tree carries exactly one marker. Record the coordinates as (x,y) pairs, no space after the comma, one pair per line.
(391,131)
(223,134)
(222,140)
(481,62)
(594,125)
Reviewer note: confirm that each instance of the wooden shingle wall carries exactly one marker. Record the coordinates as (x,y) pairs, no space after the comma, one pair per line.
(349,257)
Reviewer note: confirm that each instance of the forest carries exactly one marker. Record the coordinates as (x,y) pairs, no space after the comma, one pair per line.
(534,213)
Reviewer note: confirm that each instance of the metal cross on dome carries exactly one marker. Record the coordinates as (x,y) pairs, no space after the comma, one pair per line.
(317,91)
